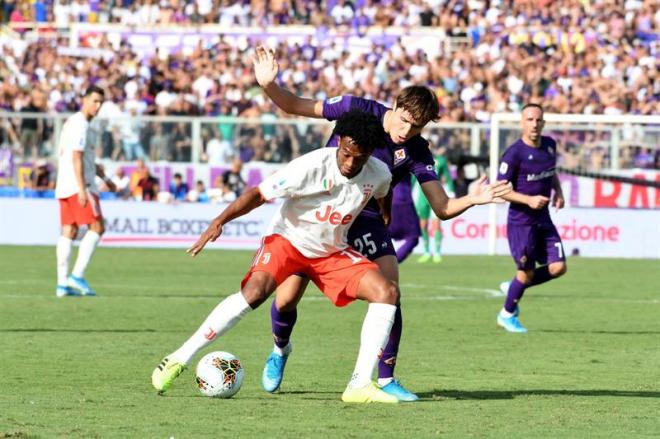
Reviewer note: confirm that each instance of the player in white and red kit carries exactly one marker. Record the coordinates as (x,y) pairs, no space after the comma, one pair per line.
(324,192)
(78,196)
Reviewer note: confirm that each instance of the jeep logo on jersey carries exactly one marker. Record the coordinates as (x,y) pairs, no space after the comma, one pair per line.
(399,155)
(333,218)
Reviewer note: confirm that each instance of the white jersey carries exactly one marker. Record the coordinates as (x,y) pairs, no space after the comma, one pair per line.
(321,204)
(74,138)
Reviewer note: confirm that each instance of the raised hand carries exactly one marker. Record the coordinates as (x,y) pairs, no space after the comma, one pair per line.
(212,232)
(265,66)
(483,193)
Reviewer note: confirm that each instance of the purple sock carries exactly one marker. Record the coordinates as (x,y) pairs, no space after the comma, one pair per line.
(282,323)
(516,291)
(387,361)
(409,243)
(541,275)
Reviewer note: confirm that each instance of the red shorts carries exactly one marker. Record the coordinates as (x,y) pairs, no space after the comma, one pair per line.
(72,213)
(337,276)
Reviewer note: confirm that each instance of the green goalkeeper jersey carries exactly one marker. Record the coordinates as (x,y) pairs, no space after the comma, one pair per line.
(442,170)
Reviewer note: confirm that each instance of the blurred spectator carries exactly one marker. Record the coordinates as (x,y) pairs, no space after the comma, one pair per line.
(221,193)
(149,187)
(199,194)
(41,178)
(178,188)
(31,129)
(121,181)
(232,178)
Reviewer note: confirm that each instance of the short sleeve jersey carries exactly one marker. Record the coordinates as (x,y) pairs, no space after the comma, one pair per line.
(412,157)
(531,171)
(320,203)
(74,138)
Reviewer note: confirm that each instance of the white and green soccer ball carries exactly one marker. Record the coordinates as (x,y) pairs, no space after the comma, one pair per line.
(219,374)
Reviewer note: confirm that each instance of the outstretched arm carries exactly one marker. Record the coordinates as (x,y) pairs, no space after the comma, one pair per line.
(265,71)
(247,202)
(446,208)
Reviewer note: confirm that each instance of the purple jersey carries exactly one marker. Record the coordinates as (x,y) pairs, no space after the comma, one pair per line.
(402,192)
(531,171)
(411,157)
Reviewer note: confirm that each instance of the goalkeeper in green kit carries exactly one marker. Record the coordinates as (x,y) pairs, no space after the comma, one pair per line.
(432,252)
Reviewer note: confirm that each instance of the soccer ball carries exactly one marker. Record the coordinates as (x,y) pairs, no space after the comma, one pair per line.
(219,374)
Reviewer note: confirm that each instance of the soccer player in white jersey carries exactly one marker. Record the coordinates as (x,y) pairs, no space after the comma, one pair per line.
(78,196)
(324,191)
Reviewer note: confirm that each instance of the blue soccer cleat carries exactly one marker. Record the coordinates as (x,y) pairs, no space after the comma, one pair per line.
(273,372)
(81,285)
(395,388)
(510,324)
(66,291)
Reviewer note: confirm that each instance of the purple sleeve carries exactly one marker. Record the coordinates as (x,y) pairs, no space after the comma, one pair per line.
(422,165)
(508,165)
(333,108)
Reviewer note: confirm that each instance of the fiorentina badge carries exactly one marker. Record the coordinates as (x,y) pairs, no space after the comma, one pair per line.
(399,155)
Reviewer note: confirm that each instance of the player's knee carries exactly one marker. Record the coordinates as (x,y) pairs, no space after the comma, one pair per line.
(525,277)
(386,292)
(557,269)
(254,295)
(70,231)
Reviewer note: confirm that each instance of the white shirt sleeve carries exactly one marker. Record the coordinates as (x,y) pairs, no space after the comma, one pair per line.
(287,182)
(78,137)
(384,187)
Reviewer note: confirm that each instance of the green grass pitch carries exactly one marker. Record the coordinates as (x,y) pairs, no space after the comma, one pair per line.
(80,367)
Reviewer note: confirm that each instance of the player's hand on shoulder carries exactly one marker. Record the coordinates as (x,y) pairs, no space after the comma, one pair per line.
(265,66)
(538,201)
(212,232)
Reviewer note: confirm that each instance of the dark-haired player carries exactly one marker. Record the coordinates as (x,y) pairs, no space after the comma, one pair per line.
(324,192)
(78,196)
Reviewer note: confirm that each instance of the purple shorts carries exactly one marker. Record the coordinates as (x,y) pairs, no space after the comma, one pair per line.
(369,236)
(405,223)
(532,244)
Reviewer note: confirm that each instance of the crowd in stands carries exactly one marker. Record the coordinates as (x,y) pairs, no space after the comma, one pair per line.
(595,57)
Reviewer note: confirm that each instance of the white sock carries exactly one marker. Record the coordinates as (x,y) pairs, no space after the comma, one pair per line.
(283,351)
(63,251)
(506,314)
(382,382)
(85,252)
(375,332)
(224,317)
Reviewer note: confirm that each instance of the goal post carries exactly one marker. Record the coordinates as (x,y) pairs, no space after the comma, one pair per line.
(618,126)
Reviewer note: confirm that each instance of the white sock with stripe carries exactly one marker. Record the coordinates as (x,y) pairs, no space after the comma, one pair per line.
(85,251)
(63,252)
(375,333)
(224,317)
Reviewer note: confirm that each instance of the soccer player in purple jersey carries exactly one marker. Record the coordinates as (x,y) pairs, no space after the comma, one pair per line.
(404,226)
(405,153)
(529,164)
